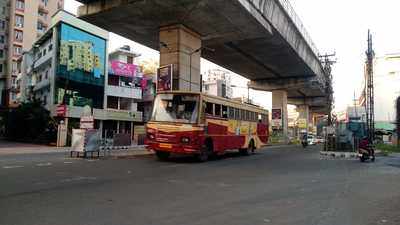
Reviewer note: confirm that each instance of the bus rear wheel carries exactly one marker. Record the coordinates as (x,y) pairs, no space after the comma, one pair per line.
(162,155)
(249,150)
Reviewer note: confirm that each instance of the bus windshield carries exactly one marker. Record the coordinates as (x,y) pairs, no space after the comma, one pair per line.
(180,108)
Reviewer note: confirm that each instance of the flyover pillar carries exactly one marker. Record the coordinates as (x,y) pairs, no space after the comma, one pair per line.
(280,126)
(304,118)
(181,47)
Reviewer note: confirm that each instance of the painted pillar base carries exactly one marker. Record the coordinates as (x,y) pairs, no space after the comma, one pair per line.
(279,101)
(303,120)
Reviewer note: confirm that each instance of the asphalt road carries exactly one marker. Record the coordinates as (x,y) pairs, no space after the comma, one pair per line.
(284,185)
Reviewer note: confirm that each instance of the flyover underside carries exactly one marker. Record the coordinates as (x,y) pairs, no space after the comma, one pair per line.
(245,42)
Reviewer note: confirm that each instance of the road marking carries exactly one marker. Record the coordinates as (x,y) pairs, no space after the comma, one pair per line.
(44,164)
(68,162)
(12,167)
(171,166)
(77,179)
(267,220)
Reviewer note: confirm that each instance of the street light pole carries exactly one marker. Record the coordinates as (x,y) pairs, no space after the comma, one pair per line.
(190,63)
(248,91)
(190,67)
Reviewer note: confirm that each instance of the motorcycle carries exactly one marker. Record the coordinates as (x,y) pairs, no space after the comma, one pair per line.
(366,151)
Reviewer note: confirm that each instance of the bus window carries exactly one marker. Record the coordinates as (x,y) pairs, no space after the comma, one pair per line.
(242,114)
(247,115)
(209,108)
(224,111)
(231,113)
(237,114)
(264,119)
(217,110)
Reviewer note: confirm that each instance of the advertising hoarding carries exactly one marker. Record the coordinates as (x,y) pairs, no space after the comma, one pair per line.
(122,69)
(164,78)
(276,117)
(81,56)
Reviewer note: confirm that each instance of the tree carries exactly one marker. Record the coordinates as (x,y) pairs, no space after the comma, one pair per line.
(29,122)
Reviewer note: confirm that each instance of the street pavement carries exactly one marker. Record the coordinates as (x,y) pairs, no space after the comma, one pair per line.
(279,185)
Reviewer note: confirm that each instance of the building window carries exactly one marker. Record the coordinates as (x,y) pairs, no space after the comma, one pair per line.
(20,5)
(129,60)
(46,74)
(14,67)
(113,80)
(18,36)
(19,21)
(45,100)
(45,2)
(2,24)
(42,14)
(41,27)
(1,67)
(17,50)
(125,104)
(2,39)
(112,102)
(44,52)
(1,53)
(50,47)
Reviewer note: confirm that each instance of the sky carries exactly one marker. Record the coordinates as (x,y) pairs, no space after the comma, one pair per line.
(338,26)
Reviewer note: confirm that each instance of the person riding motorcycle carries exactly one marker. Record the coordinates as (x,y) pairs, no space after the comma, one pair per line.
(304,140)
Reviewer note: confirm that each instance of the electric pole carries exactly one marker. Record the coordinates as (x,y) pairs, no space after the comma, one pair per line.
(327,61)
(369,76)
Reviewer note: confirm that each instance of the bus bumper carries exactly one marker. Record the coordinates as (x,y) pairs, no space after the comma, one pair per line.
(173,148)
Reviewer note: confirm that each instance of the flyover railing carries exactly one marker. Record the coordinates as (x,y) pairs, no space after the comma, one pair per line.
(296,20)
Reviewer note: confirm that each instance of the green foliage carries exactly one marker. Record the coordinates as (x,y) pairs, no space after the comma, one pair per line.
(29,122)
(387,149)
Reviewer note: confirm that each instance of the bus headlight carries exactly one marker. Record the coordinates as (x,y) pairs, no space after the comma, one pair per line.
(185,140)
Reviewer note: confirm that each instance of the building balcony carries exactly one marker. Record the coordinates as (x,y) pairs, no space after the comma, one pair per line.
(124,92)
(44,60)
(42,84)
(42,8)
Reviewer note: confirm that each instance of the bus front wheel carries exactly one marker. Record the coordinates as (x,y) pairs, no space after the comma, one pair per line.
(206,151)
(162,155)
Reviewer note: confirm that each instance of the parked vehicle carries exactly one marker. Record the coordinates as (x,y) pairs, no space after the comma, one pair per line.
(319,140)
(311,139)
(204,125)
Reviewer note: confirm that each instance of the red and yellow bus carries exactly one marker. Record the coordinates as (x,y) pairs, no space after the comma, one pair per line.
(203,125)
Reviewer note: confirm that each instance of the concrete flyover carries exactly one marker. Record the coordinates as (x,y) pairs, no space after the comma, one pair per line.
(262,40)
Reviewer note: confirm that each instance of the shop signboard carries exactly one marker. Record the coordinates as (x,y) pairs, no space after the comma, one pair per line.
(276,117)
(78,140)
(302,123)
(123,69)
(87,122)
(61,110)
(87,119)
(164,78)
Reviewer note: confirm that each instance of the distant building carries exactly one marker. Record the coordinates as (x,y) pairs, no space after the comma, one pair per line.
(21,23)
(218,83)
(68,67)
(386,90)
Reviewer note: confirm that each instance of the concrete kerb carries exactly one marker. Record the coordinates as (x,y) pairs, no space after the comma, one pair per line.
(344,155)
(125,151)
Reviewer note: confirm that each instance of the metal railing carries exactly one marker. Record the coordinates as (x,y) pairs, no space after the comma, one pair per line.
(297,22)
